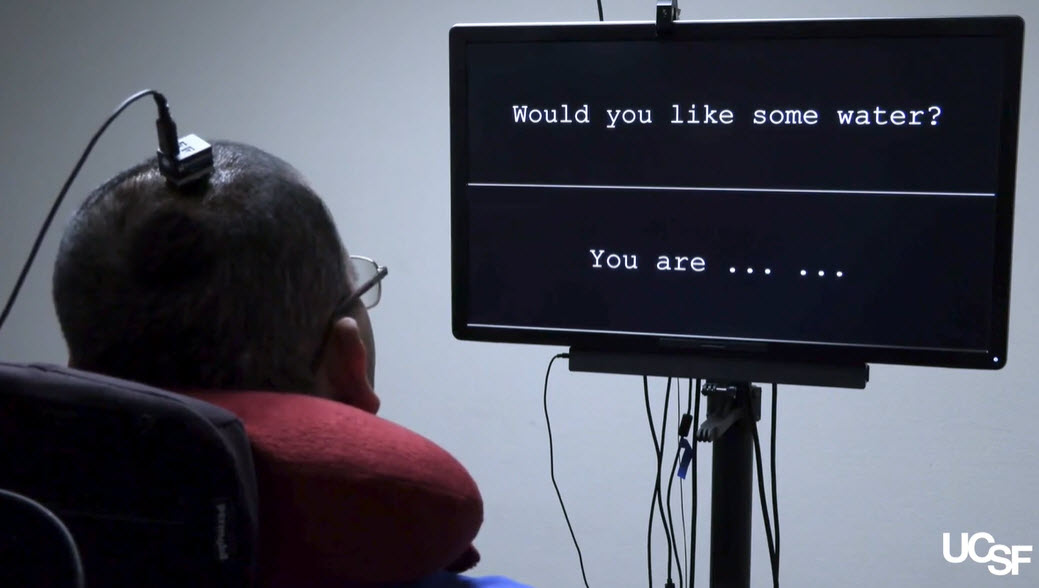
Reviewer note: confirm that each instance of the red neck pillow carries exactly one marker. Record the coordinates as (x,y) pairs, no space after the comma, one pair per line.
(348,498)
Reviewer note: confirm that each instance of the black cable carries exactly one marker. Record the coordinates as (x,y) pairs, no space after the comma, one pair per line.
(764,504)
(685,531)
(649,539)
(670,515)
(681,481)
(63,531)
(672,546)
(599,2)
(652,498)
(656,499)
(772,449)
(653,503)
(692,465)
(552,467)
(160,100)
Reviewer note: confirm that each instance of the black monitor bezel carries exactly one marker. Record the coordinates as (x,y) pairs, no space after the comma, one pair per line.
(1008,28)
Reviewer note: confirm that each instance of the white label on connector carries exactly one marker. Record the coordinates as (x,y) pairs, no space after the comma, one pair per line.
(190,145)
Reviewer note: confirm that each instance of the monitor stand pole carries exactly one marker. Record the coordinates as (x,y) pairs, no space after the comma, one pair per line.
(730,408)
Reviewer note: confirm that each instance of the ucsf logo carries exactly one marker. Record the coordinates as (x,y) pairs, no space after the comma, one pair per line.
(996,555)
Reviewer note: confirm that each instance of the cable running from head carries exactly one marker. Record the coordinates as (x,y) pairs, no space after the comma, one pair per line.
(164,114)
(552,468)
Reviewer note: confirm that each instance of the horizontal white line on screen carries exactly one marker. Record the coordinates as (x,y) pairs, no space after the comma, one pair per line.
(724,189)
(687,336)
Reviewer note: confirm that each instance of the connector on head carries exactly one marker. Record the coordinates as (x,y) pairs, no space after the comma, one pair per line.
(185,161)
(191,163)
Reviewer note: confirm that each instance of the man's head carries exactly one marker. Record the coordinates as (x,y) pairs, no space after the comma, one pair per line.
(231,286)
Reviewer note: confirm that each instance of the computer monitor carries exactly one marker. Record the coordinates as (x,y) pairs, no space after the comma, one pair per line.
(834,191)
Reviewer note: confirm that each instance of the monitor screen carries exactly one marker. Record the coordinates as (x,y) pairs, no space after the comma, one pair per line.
(828,190)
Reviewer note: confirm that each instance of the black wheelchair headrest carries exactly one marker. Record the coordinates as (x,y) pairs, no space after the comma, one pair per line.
(157,488)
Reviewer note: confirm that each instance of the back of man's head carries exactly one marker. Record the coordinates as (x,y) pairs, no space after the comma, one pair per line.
(230,285)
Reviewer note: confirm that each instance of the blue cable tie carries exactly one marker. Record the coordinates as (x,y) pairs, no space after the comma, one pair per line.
(687,457)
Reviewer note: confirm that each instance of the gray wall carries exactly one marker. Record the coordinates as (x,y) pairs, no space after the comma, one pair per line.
(355,94)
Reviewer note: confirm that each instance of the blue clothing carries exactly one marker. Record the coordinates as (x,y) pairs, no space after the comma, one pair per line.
(449,580)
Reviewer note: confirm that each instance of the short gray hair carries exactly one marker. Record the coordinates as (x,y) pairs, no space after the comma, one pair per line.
(229,286)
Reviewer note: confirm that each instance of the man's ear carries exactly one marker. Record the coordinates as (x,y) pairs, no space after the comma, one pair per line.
(342,373)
